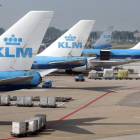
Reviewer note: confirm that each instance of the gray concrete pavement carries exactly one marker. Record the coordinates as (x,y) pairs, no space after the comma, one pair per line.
(94,113)
(126,137)
(132,100)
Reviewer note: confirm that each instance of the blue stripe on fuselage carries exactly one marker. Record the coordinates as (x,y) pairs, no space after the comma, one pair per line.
(116,53)
(42,62)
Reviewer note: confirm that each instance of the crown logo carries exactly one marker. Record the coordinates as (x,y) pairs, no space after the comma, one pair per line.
(12,40)
(70,38)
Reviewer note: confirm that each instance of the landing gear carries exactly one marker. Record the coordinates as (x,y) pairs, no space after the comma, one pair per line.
(69,71)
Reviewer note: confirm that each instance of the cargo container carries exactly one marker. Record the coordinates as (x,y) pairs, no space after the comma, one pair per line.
(108,73)
(19,129)
(52,101)
(33,126)
(39,122)
(24,101)
(43,116)
(28,100)
(93,74)
(20,100)
(43,101)
(123,73)
(5,100)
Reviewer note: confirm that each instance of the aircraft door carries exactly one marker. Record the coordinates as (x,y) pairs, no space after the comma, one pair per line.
(104,54)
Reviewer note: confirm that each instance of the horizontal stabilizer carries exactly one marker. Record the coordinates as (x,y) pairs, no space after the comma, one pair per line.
(79,61)
(45,72)
(16,80)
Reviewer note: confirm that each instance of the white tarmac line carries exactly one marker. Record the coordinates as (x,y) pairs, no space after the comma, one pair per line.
(62,104)
(60,86)
(137,117)
(34,89)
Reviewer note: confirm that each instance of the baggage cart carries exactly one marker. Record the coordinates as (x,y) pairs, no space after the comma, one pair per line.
(43,116)
(24,101)
(5,100)
(51,101)
(33,126)
(20,100)
(19,129)
(43,101)
(28,100)
(108,74)
(123,73)
(39,119)
(93,74)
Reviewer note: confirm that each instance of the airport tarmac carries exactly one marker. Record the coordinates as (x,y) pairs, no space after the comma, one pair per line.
(99,109)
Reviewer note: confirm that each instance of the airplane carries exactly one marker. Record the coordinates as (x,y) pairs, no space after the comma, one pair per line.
(65,52)
(18,48)
(104,40)
(109,58)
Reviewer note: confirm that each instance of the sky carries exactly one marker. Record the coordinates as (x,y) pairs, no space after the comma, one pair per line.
(123,14)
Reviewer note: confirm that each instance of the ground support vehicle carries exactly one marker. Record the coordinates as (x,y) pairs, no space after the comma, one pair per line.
(80,78)
(47,84)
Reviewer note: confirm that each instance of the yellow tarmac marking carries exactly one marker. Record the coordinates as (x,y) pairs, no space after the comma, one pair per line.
(4,132)
(106,133)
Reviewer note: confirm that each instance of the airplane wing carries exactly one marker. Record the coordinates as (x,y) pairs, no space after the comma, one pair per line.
(79,61)
(109,63)
(16,80)
(45,72)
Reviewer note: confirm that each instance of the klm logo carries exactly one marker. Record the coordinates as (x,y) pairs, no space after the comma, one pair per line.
(12,40)
(67,44)
(107,36)
(19,52)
